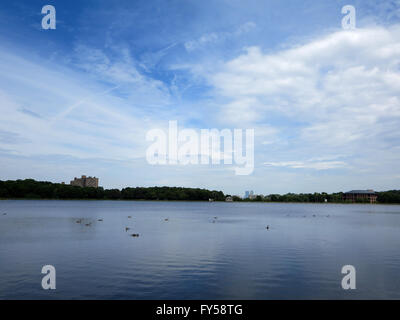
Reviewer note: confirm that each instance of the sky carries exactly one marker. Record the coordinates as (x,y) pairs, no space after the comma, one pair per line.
(323,101)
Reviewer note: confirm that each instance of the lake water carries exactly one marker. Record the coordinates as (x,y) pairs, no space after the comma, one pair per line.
(196,256)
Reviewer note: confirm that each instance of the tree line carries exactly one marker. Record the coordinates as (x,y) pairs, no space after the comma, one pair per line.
(31,189)
(392,196)
(297,197)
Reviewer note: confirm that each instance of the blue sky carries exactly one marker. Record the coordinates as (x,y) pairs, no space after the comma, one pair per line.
(324,102)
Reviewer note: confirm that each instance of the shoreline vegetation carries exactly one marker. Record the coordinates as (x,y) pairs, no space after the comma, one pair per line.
(30,189)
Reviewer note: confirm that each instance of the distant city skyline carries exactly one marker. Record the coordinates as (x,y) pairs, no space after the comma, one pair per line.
(323,101)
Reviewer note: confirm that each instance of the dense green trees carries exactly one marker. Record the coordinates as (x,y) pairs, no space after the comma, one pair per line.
(305,197)
(391,196)
(31,189)
(170,193)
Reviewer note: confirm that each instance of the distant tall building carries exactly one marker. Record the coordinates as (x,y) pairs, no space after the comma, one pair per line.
(249,194)
(85,182)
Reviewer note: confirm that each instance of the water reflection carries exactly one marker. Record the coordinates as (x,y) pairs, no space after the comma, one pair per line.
(195,250)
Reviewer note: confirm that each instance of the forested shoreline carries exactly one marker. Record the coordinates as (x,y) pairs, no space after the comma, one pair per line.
(31,189)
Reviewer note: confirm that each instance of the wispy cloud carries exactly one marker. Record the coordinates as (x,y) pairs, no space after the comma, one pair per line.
(317,165)
(74,119)
(214,37)
(117,66)
(29,112)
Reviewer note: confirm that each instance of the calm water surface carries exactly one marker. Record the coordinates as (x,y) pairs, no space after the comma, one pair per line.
(195,256)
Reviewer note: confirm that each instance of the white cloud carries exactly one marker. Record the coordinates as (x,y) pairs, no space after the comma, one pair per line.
(342,89)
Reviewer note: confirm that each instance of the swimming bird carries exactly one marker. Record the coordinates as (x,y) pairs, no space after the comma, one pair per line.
(267,227)
(4,214)
(100,220)
(78,221)
(129,217)
(126,229)
(135,235)
(88,224)
(166,219)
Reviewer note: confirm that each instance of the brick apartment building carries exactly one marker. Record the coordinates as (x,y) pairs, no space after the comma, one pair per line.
(360,195)
(85,182)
